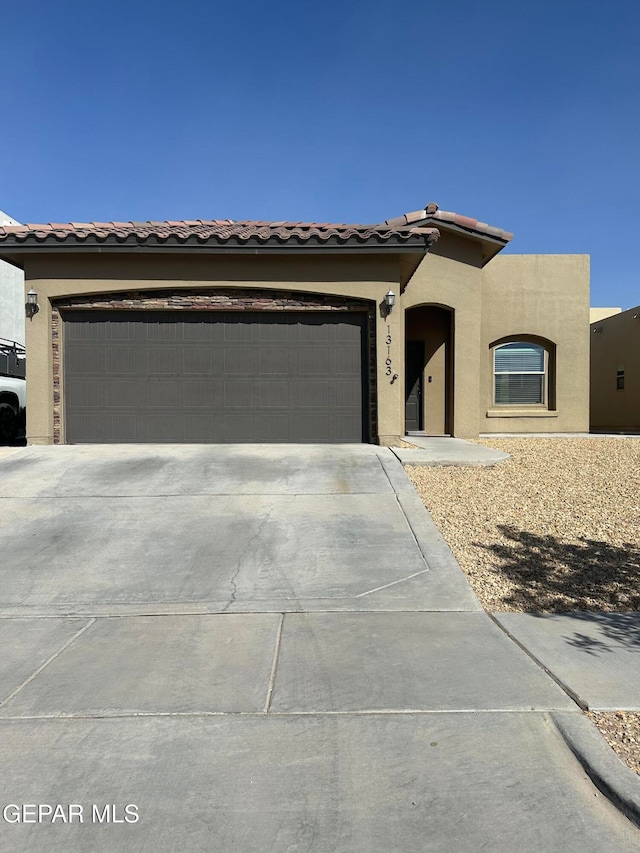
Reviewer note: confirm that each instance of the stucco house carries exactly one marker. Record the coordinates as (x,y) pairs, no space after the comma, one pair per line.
(615,370)
(12,361)
(11,296)
(223,331)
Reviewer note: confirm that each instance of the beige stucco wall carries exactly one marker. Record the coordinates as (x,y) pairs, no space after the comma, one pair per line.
(545,296)
(450,276)
(58,276)
(616,346)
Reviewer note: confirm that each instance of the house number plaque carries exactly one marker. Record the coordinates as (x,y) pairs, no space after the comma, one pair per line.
(388,360)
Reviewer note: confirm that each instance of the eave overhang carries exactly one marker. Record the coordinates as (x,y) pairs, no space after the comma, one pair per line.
(269,238)
(491,239)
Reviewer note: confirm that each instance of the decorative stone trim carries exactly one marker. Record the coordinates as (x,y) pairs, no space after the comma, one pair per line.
(225,299)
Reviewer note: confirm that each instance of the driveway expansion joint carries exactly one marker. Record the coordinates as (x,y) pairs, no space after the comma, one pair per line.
(49,660)
(274,666)
(564,687)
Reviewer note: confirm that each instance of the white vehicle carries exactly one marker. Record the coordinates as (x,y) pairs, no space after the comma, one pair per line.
(13,391)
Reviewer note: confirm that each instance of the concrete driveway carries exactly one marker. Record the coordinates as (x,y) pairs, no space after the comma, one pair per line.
(263,648)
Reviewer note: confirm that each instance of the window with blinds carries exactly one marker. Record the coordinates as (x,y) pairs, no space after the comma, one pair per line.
(520,374)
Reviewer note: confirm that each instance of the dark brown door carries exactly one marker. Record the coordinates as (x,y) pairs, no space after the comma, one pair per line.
(414,370)
(214,377)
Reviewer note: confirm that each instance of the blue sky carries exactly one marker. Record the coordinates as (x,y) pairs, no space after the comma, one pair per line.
(522,114)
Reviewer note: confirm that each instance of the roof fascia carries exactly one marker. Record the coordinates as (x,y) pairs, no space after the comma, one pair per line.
(14,254)
(490,245)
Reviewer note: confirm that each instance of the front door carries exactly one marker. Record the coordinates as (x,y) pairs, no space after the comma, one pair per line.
(414,370)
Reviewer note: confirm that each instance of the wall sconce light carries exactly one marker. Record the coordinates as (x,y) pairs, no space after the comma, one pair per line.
(31,306)
(389,301)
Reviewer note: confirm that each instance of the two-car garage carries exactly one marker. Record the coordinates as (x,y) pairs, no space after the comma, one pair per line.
(214,376)
(215,330)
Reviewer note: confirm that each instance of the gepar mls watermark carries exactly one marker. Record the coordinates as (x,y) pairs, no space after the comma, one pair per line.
(108,813)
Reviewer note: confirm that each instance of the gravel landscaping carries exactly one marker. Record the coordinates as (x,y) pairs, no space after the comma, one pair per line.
(553,529)
(622,732)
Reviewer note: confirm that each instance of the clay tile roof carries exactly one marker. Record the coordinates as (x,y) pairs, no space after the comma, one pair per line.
(432,214)
(218,232)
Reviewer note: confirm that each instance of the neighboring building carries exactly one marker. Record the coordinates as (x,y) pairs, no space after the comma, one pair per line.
(596,314)
(615,372)
(11,296)
(12,361)
(221,331)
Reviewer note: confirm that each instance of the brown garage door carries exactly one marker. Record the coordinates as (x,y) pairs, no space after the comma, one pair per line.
(214,377)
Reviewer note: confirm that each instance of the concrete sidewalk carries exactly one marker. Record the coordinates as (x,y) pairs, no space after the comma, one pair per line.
(266,648)
(443,450)
(594,655)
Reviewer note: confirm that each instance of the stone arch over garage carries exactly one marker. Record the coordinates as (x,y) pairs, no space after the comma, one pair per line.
(235,302)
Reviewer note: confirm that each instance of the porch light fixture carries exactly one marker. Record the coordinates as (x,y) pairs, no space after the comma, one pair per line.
(31,306)
(389,301)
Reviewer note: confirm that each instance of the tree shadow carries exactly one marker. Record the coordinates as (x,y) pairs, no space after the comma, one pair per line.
(552,575)
(616,631)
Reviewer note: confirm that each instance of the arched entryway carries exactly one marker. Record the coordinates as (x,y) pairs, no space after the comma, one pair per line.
(429,370)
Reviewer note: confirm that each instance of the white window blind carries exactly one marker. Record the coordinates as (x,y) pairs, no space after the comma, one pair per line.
(519,374)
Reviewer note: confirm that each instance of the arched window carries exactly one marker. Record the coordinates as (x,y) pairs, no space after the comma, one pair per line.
(521,374)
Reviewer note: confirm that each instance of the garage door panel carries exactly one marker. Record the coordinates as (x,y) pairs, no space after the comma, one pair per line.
(276,361)
(345,391)
(239,361)
(314,394)
(85,360)
(345,425)
(239,394)
(241,331)
(197,393)
(162,360)
(163,393)
(345,332)
(240,425)
(122,392)
(270,427)
(161,427)
(161,331)
(273,394)
(200,360)
(121,428)
(199,427)
(315,361)
(316,333)
(119,359)
(213,377)
(122,331)
(277,332)
(315,426)
(86,393)
(85,332)
(346,363)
